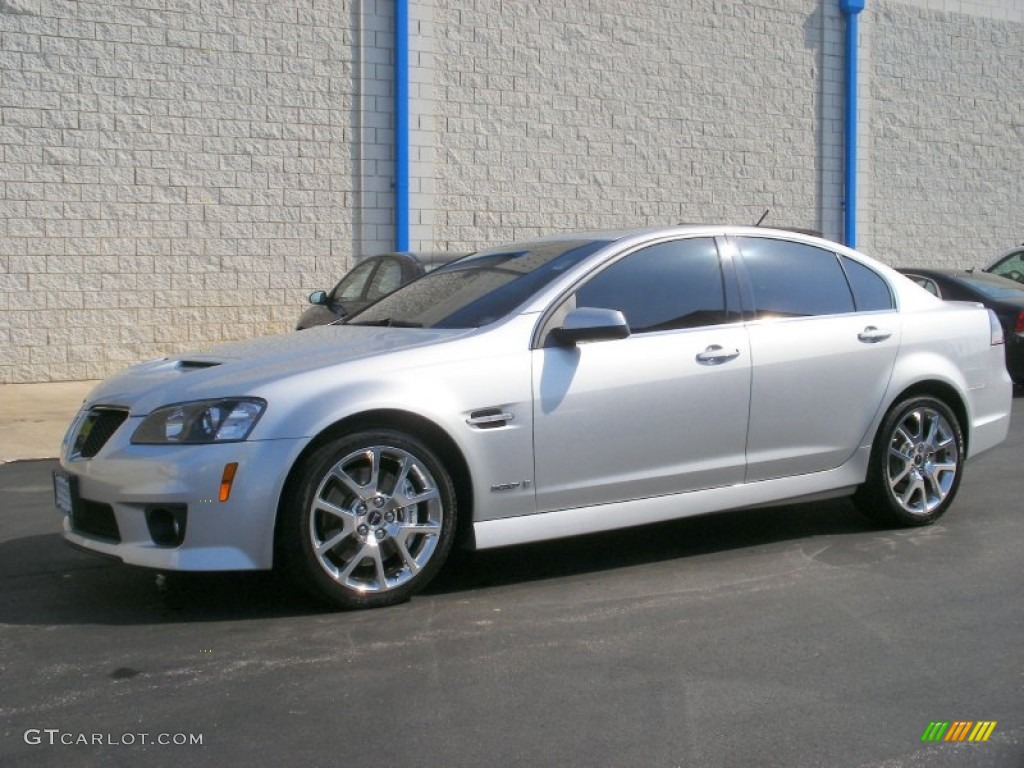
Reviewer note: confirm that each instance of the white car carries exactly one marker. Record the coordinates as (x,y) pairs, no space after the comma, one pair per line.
(549,388)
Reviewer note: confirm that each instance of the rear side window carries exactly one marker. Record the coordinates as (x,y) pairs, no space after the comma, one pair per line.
(790,279)
(662,287)
(870,292)
(927,284)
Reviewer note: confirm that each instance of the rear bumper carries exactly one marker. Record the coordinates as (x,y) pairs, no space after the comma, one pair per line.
(990,407)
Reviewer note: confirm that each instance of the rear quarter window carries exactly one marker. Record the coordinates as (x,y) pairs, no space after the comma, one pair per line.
(871,292)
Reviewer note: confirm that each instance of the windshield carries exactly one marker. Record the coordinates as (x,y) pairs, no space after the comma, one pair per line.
(478,289)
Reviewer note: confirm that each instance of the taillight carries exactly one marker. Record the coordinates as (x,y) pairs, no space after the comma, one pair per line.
(1018,327)
(996,329)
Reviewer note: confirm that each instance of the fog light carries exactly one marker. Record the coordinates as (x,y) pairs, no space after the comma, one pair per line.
(167,524)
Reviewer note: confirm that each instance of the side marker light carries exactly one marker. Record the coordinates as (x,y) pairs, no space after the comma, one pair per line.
(227,479)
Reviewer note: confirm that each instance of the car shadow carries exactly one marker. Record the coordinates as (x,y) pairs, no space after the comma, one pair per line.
(48,583)
(643,545)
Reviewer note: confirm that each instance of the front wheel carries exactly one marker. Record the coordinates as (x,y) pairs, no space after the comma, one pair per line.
(916,464)
(369,520)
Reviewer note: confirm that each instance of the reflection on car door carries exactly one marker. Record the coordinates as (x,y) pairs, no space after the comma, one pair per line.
(821,367)
(659,412)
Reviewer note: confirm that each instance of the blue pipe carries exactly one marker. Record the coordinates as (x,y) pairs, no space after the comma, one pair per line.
(850,9)
(401,45)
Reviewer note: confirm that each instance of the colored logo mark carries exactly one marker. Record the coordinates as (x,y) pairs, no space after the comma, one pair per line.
(959,730)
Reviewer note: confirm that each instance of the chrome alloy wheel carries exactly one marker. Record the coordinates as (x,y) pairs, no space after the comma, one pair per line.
(376,519)
(923,460)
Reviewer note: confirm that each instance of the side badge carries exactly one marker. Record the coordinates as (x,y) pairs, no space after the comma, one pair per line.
(524,484)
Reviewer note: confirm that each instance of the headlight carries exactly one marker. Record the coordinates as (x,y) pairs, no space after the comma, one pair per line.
(204,421)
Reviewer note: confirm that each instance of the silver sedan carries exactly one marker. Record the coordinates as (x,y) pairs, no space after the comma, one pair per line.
(548,388)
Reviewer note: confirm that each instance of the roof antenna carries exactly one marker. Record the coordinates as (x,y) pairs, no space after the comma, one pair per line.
(763,217)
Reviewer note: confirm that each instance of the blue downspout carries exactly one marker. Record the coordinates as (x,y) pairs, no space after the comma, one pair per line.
(401,45)
(850,9)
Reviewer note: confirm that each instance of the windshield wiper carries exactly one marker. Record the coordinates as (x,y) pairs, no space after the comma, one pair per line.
(387,322)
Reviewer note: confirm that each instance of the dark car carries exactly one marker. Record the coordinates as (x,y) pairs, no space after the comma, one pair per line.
(1009,264)
(1003,296)
(366,282)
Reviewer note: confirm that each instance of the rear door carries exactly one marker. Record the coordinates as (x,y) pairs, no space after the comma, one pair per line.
(823,338)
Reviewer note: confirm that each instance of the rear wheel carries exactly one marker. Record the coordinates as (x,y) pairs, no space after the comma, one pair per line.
(370,519)
(916,464)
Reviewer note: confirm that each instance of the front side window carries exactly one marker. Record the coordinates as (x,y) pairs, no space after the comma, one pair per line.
(790,279)
(352,285)
(671,285)
(387,278)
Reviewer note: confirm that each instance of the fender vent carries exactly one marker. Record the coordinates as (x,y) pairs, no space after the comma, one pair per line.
(489,418)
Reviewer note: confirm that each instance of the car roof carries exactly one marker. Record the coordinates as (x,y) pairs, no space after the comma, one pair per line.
(616,235)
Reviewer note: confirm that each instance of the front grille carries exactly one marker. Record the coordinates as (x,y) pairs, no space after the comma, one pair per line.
(96,429)
(95,519)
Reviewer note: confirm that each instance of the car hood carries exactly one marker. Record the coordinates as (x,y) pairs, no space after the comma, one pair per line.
(243,368)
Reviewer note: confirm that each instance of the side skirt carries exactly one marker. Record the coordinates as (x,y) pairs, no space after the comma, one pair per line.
(833,483)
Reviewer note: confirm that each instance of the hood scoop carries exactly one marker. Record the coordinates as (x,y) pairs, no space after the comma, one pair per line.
(195,365)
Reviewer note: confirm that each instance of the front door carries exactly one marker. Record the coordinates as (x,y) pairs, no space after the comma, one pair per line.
(660,412)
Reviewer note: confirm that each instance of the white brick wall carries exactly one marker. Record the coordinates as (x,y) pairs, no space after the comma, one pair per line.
(171,172)
(176,172)
(947,134)
(1000,10)
(602,114)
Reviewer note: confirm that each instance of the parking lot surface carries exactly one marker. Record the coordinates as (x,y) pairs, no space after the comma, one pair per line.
(790,636)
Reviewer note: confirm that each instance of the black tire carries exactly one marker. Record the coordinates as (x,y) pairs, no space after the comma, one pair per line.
(916,464)
(368,520)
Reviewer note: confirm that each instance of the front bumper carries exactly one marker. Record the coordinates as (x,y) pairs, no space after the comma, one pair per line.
(123,483)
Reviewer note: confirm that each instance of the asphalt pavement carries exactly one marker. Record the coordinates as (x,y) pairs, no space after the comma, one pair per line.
(792,636)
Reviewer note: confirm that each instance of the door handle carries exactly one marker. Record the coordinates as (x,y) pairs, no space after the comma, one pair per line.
(873,335)
(716,355)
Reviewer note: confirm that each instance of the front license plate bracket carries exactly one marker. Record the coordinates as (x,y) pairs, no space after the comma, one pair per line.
(65,491)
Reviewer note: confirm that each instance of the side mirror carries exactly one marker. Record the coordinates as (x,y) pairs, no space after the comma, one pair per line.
(591,324)
(318,297)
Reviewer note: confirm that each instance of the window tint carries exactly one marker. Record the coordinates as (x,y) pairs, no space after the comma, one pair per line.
(928,285)
(351,286)
(387,278)
(870,291)
(794,280)
(662,287)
